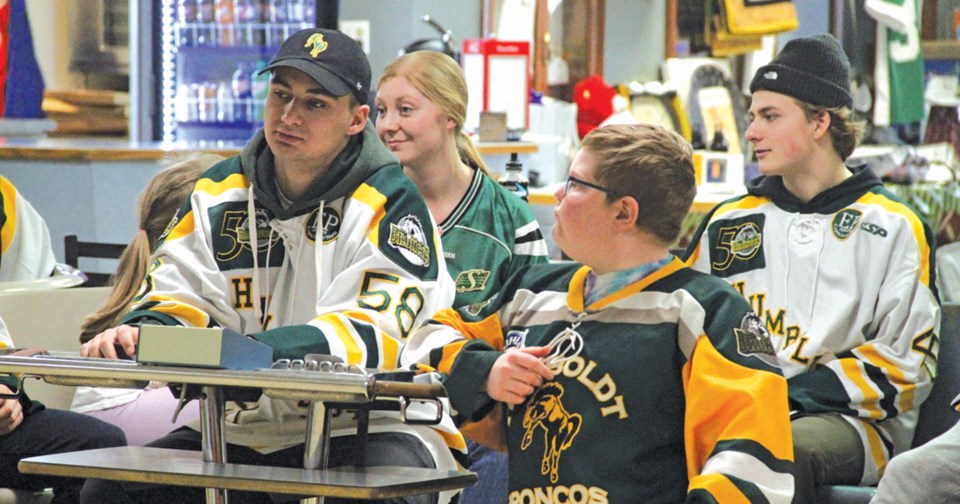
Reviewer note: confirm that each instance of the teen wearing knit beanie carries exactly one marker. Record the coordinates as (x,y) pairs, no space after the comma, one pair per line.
(840,270)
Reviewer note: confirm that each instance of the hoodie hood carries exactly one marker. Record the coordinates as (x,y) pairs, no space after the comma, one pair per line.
(363,156)
(828,201)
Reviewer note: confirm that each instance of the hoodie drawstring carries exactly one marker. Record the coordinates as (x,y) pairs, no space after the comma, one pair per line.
(318,255)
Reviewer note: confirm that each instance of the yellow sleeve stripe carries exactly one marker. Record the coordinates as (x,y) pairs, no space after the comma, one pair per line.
(895,374)
(183,228)
(875,446)
(851,369)
(390,347)
(10,210)
(711,380)
(213,188)
(746,203)
(450,353)
(354,353)
(488,329)
(916,225)
(454,441)
(377,202)
(721,488)
(169,306)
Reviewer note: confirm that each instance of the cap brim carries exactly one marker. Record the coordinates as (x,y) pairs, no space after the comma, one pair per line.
(333,84)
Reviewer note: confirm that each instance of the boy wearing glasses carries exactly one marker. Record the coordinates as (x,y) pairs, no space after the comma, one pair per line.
(627,377)
(841,272)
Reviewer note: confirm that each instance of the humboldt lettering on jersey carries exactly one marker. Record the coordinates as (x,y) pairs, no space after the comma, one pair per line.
(774,323)
(545,409)
(330,227)
(408,238)
(472,280)
(604,389)
(845,222)
(737,245)
(560,494)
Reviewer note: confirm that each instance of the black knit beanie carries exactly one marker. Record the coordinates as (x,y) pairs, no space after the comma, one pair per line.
(811,69)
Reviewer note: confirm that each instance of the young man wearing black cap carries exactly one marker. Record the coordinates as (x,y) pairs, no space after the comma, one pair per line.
(841,271)
(347,262)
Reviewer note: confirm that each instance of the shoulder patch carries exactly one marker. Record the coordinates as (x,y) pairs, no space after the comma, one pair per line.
(754,340)
(408,238)
(845,223)
(514,339)
(472,280)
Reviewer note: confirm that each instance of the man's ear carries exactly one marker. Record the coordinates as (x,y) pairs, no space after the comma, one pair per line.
(628,211)
(822,124)
(359,121)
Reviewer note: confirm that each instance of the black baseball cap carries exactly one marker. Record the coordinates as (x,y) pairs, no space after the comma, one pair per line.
(333,59)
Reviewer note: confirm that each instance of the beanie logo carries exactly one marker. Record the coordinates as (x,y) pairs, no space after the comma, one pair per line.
(317,43)
(770,75)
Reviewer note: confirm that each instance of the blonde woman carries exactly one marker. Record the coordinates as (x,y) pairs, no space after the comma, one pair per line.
(143,414)
(487,232)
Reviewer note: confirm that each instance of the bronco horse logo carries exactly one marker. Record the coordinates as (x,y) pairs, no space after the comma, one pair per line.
(319,45)
(559,426)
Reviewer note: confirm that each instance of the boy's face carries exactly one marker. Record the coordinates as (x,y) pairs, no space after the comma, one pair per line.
(304,124)
(781,134)
(583,215)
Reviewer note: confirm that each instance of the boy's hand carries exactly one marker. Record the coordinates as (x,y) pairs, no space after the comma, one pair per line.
(517,373)
(103,344)
(11,413)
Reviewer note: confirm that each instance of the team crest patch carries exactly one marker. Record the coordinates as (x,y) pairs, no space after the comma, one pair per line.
(408,238)
(845,222)
(753,339)
(264,238)
(472,280)
(316,44)
(736,245)
(514,339)
(330,225)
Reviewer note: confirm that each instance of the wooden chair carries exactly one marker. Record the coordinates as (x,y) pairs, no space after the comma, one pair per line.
(74,249)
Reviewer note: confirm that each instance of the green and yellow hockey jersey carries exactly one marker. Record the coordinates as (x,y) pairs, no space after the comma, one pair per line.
(675,395)
(488,236)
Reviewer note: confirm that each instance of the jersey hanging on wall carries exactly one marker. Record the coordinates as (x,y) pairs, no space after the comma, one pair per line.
(898,75)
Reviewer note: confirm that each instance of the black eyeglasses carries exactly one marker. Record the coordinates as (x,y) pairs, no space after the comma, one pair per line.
(571,180)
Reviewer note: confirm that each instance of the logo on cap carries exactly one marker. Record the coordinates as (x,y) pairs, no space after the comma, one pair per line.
(319,45)
(770,75)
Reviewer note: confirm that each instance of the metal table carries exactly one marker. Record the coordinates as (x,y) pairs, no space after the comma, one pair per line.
(338,385)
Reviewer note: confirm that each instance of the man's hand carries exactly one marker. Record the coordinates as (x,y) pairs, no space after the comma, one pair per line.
(11,413)
(102,345)
(517,373)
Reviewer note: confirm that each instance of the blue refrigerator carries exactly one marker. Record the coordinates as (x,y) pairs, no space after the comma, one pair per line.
(194,64)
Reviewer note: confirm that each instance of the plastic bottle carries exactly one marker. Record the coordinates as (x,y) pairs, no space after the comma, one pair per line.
(276,19)
(247,14)
(513,179)
(225,103)
(207,102)
(295,11)
(186,17)
(309,13)
(259,86)
(242,111)
(226,29)
(206,32)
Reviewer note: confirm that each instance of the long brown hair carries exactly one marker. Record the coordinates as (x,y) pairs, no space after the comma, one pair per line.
(164,195)
(439,78)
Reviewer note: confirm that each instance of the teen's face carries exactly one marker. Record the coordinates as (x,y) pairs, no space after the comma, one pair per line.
(304,124)
(409,124)
(582,215)
(781,134)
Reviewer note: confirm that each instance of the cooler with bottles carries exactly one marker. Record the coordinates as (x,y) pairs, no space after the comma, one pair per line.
(210,52)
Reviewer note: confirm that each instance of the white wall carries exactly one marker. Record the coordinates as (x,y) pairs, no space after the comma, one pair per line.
(50,24)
